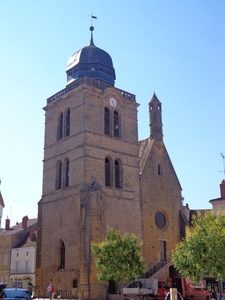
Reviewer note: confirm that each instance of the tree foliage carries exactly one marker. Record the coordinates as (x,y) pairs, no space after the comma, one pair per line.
(202,252)
(118,258)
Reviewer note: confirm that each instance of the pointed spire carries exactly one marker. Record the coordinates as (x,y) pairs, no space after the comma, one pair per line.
(154,98)
(91,40)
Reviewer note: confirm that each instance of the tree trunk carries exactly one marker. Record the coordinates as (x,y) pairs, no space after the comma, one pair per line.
(121,288)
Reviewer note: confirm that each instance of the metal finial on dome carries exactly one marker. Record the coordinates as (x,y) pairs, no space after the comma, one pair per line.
(91,40)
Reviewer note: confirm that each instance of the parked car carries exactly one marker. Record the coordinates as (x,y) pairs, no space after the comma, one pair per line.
(15,293)
(189,290)
(163,289)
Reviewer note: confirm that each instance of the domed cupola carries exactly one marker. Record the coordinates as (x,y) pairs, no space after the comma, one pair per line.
(91,61)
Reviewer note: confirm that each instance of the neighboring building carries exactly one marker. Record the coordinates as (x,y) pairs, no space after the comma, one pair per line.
(97,174)
(9,238)
(23,261)
(219,203)
(2,205)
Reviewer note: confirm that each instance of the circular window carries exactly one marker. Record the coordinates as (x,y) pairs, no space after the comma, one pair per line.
(160,220)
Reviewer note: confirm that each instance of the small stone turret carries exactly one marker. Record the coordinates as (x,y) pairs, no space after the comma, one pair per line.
(155,116)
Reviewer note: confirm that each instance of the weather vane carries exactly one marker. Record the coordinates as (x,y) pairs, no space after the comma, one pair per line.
(93,17)
(223,164)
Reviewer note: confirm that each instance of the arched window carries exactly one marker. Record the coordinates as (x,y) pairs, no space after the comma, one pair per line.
(107,121)
(68,122)
(60,127)
(107,172)
(59,176)
(67,172)
(116,124)
(61,255)
(117,174)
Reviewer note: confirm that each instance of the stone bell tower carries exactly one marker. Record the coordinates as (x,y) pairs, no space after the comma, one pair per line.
(90,173)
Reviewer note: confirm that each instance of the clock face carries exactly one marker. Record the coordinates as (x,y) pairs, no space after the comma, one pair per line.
(112,102)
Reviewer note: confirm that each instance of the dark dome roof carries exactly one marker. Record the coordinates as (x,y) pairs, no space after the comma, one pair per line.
(91,61)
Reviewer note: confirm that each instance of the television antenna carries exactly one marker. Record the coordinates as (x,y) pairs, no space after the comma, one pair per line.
(223,157)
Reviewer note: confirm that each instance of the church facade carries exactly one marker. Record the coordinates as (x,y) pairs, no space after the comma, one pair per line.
(96,173)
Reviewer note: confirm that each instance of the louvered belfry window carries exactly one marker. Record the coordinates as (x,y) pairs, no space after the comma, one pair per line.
(59,176)
(67,173)
(107,121)
(60,127)
(68,123)
(116,124)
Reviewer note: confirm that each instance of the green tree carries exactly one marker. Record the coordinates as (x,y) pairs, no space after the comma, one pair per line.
(119,258)
(202,252)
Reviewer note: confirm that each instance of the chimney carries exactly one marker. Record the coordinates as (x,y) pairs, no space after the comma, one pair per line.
(32,235)
(7,224)
(24,222)
(222,189)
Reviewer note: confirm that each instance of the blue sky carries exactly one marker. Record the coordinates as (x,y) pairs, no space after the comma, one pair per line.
(173,48)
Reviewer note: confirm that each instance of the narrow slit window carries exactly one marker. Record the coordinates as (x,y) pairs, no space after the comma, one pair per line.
(159,169)
(163,250)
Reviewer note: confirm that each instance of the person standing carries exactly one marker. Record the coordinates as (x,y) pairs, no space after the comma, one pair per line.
(30,287)
(53,292)
(49,288)
(213,296)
